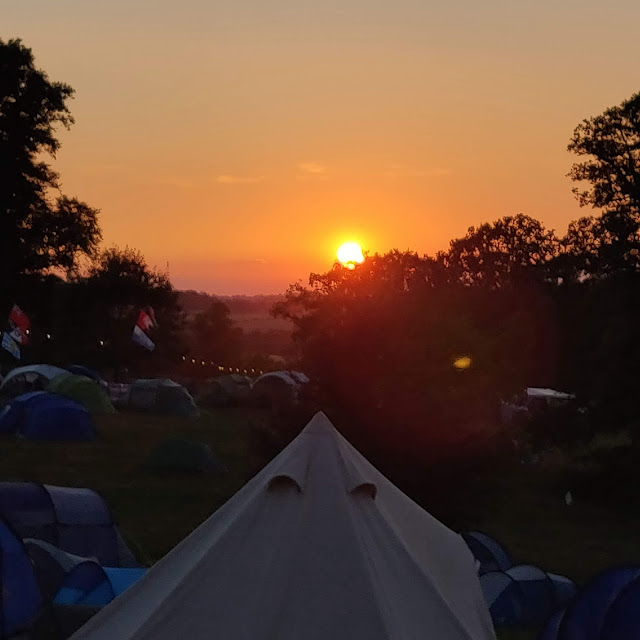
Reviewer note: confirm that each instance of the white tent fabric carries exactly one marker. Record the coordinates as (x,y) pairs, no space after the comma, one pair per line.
(318,545)
(47,371)
(548,394)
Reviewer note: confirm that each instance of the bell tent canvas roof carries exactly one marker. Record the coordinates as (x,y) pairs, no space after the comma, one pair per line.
(317,545)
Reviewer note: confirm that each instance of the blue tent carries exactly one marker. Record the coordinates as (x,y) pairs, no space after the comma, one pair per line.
(524,595)
(585,616)
(20,597)
(538,590)
(564,589)
(75,520)
(550,631)
(40,415)
(622,621)
(488,552)
(68,579)
(504,597)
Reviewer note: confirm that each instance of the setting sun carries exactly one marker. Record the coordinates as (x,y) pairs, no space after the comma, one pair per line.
(349,254)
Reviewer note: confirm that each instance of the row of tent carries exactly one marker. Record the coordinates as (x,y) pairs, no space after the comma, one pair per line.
(58,546)
(517,595)
(606,608)
(157,395)
(83,389)
(163,395)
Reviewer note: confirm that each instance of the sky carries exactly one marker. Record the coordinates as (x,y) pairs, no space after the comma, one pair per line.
(237,144)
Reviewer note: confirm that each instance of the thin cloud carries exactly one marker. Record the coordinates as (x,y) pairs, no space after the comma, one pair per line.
(312,168)
(181,183)
(227,178)
(410,172)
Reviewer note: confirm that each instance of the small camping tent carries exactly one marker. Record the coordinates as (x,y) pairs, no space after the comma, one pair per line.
(68,579)
(538,591)
(584,617)
(32,377)
(75,520)
(232,389)
(622,621)
(20,597)
(524,595)
(161,395)
(178,454)
(278,388)
(317,545)
(487,551)
(504,597)
(40,415)
(83,390)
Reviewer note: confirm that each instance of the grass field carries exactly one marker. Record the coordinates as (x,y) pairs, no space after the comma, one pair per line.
(524,508)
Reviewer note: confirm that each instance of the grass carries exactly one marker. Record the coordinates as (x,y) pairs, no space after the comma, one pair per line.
(523,507)
(154,511)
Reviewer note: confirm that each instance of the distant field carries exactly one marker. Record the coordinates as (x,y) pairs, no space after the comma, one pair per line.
(524,508)
(262,322)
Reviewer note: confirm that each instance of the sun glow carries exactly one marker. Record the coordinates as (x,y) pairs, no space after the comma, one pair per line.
(349,254)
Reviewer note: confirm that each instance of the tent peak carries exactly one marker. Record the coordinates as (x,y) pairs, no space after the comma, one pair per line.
(317,443)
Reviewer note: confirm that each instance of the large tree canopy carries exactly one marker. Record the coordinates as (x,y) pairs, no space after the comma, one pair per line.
(40,228)
(495,254)
(609,145)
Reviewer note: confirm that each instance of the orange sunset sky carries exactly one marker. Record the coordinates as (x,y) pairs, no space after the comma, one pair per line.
(241,142)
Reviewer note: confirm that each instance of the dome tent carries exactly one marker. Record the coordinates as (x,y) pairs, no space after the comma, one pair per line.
(20,598)
(75,520)
(178,454)
(504,597)
(226,390)
(622,620)
(278,388)
(524,595)
(587,616)
(489,552)
(83,390)
(41,415)
(538,591)
(319,544)
(68,579)
(32,377)
(161,395)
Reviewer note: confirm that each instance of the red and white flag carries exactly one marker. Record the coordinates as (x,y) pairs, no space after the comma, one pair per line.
(146,319)
(19,325)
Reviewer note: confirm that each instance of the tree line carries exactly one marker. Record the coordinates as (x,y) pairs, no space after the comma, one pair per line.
(83,300)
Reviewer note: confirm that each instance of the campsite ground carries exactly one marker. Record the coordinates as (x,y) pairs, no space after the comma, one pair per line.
(523,507)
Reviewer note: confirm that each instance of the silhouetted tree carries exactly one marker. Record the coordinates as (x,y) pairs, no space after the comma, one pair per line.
(104,307)
(214,337)
(610,144)
(39,228)
(496,254)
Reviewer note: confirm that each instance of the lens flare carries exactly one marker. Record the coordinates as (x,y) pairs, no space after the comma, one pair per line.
(461,363)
